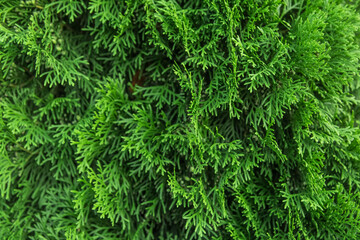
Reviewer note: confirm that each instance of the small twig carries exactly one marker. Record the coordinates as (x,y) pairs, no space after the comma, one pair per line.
(22,84)
(24,149)
(26,69)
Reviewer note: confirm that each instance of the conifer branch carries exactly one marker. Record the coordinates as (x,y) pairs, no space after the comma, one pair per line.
(179,119)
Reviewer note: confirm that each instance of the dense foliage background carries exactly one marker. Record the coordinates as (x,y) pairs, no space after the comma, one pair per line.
(164,119)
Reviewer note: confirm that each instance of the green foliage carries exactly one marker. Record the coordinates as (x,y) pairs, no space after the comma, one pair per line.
(145,119)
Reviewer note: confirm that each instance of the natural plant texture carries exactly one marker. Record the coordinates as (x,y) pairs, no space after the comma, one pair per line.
(179,119)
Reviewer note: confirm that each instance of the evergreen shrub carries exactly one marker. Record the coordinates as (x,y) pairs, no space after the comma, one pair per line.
(179,119)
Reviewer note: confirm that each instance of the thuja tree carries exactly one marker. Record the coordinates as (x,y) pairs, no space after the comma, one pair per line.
(154,119)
